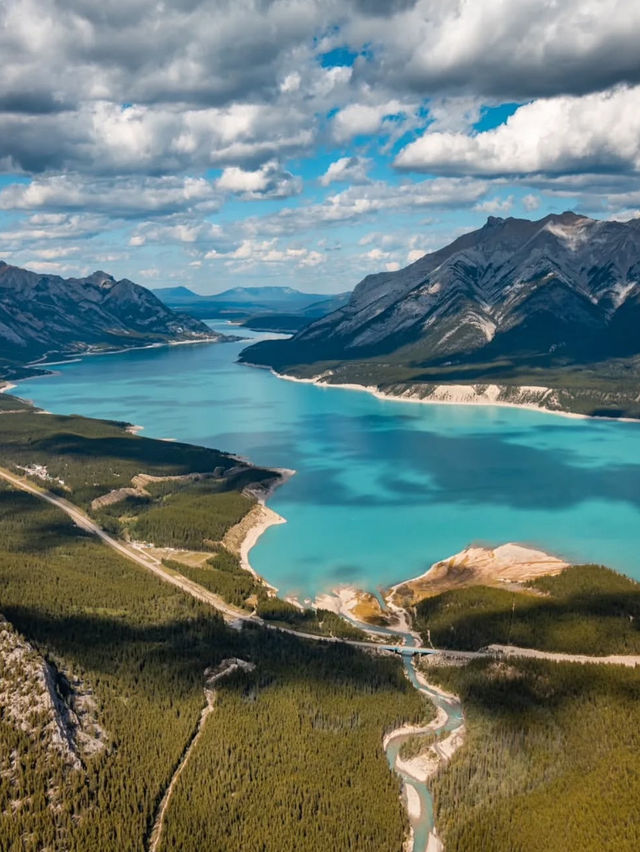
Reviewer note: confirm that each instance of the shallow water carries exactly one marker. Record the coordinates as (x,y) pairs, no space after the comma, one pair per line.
(383,488)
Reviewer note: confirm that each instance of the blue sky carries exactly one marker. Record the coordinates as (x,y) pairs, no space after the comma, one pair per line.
(304,142)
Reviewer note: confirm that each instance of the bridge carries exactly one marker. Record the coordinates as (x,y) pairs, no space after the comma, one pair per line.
(402,650)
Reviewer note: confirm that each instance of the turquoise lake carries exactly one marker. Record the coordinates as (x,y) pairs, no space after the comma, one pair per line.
(383,489)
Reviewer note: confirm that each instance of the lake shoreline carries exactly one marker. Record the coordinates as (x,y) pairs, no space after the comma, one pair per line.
(256,522)
(406,396)
(39,368)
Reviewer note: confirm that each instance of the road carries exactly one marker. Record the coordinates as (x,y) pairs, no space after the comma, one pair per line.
(130,551)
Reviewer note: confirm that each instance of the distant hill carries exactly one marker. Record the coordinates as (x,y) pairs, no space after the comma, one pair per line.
(514,301)
(269,308)
(176,295)
(49,316)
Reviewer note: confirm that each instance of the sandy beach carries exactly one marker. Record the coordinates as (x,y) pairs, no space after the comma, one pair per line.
(242,537)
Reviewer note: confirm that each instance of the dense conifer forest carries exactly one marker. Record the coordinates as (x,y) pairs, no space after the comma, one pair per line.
(306,724)
(587,609)
(550,763)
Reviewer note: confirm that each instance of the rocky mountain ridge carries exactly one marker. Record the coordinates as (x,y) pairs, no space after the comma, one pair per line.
(43,316)
(566,286)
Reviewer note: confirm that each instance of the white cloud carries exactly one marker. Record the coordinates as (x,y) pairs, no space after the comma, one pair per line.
(49,227)
(55,253)
(269,181)
(364,119)
(291,82)
(357,202)
(151,272)
(103,138)
(454,114)
(240,82)
(494,206)
(375,254)
(188,232)
(122,145)
(531,202)
(351,169)
(599,132)
(500,48)
(48,266)
(251,252)
(130,196)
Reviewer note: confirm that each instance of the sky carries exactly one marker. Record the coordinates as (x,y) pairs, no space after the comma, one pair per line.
(304,143)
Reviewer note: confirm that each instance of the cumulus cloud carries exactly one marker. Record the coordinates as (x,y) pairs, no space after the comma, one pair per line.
(351,169)
(498,48)
(251,252)
(105,138)
(531,202)
(361,201)
(240,82)
(454,114)
(51,226)
(185,231)
(375,254)
(126,197)
(215,52)
(365,119)
(112,136)
(495,206)
(594,133)
(269,181)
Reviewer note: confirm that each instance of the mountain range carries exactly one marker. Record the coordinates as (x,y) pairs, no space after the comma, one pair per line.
(513,299)
(268,308)
(46,316)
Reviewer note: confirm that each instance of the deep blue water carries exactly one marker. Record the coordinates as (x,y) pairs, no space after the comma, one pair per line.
(383,489)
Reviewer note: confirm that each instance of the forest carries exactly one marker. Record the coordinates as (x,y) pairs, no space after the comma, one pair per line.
(292,754)
(587,609)
(93,457)
(187,498)
(550,762)
(291,757)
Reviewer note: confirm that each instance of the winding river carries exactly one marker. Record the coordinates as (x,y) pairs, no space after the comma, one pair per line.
(423,824)
(450,718)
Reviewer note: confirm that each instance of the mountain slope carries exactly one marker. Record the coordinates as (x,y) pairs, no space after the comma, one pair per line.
(513,287)
(46,315)
(515,297)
